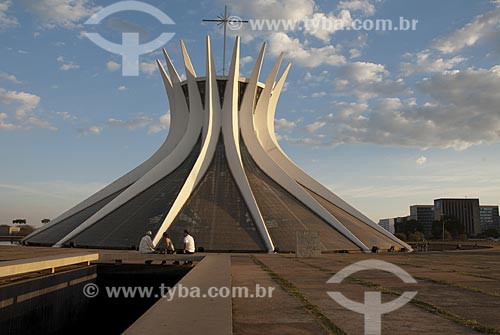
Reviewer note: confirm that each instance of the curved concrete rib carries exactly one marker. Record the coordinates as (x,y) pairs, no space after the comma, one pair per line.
(230,133)
(251,125)
(178,120)
(270,144)
(273,102)
(167,165)
(174,75)
(179,115)
(209,145)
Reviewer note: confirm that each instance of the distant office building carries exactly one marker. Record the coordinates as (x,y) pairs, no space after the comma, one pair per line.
(488,216)
(387,224)
(424,214)
(466,211)
(401,219)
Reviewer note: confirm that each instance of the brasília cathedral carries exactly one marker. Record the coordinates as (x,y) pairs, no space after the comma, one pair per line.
(221,174)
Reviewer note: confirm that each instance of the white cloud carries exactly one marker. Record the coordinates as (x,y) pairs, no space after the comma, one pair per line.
(302,55)
(93,130)
(6,21)
(67,66)
(8,126)
(132,124)
(289,17)
(364,91)
(24,107)
(276,9)
(162,124)
(148,68)
(363,72)
(321,25)
(138,122)
(246,60)
(40,123)
(113,66)
(313,127)
(305,12)
(421,160)
(284,124)
(482,27)
(314,141)
(26,102)
(424,62)
(317,79)
(9,77)
(348,110)
(318,94)
(67,116)
(61,13)
(122,88)
(354,53)
(458,109)
(363,6)
(391,104)
(365,81)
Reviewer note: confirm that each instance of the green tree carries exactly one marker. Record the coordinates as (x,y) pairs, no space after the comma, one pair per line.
(415,237)
(25,230)
(419,236)
(451,225)
(401,236)
(447,236)
(409,226)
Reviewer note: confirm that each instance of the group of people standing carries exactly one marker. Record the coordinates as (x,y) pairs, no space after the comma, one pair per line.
(146,245)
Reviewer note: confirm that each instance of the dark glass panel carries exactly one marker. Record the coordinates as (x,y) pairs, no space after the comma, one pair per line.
(55,233)
(216,214)
(124,227)
(284,215)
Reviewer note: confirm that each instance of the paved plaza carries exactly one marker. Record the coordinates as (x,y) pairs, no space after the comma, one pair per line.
(458,293)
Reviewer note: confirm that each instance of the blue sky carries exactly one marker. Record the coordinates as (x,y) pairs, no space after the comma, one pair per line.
(386,119)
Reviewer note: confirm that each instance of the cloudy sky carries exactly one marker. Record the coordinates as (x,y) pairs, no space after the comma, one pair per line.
(384,118)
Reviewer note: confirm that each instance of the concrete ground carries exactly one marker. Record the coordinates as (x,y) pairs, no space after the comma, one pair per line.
(458,293)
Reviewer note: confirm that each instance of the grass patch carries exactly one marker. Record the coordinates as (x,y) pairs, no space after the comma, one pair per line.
(292,290)
(452,284)
(469,288)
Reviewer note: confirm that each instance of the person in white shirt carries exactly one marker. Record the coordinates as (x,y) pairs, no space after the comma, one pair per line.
(146,246)
(189,247)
